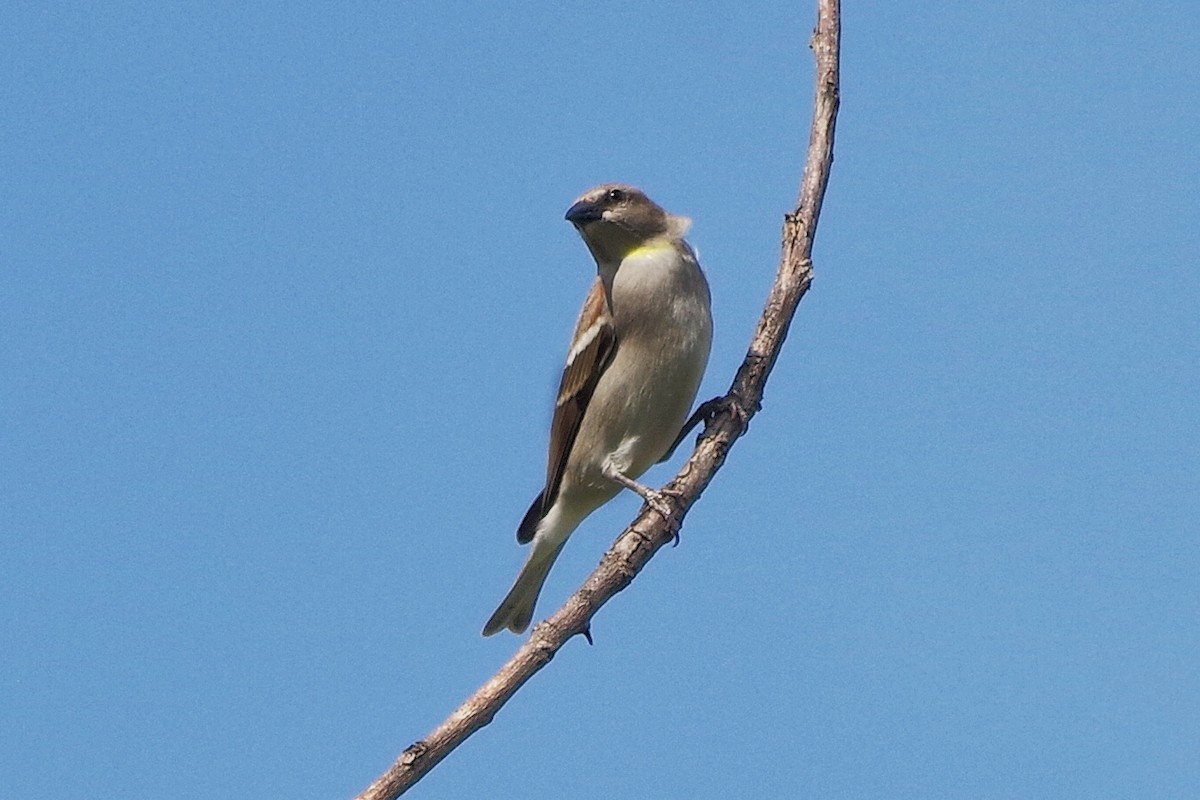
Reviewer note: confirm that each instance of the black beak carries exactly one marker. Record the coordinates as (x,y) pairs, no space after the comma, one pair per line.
(584,212)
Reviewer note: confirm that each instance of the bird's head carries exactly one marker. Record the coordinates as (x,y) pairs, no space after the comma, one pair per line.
(615,219)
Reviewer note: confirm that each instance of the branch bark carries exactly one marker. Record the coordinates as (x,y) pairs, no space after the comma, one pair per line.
(649,532)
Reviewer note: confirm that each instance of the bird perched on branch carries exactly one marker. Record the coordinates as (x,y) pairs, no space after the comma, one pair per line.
(633,369)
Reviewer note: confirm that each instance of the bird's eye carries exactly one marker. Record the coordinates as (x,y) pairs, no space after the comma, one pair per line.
(615,195)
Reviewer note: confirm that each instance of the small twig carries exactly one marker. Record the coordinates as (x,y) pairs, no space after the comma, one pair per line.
(649,532)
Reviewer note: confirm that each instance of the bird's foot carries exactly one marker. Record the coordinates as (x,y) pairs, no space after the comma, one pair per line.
(707,412)
(731,403)
(657,499)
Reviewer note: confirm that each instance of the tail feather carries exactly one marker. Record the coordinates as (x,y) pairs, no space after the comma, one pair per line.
(531,520)
(516,610)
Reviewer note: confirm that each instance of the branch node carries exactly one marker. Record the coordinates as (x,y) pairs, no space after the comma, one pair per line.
(414,752)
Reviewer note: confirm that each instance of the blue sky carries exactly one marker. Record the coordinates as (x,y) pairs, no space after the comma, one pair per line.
(284,291)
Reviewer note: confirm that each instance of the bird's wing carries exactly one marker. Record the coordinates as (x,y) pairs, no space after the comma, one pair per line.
(592,349)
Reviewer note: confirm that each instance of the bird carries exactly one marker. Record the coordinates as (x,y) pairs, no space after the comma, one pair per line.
(634,366)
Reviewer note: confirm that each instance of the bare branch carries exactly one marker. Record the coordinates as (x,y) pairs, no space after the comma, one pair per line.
(649,532)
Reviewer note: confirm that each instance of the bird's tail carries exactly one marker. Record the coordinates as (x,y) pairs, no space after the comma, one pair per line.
(516,610)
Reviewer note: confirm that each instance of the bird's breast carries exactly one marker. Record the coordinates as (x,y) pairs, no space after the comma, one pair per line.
(660,308)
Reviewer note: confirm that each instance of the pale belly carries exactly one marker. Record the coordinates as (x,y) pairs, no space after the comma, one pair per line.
(638,408)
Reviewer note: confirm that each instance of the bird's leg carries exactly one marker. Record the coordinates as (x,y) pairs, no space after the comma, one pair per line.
(654,498)
(706,412)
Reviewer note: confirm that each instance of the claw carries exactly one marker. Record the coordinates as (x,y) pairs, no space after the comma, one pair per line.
(674,526)
(739,409)
(657,500)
